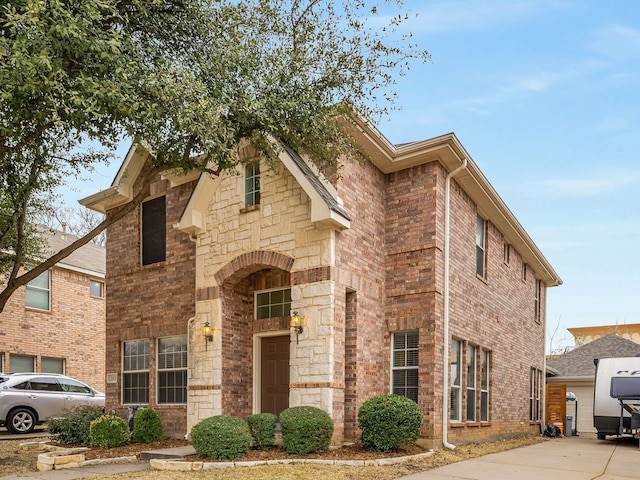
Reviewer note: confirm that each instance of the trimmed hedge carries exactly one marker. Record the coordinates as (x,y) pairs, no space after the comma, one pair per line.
(147,426)
(262,428)
(389,421)
(108,431)
(306,430)
(72,426)
(221,436)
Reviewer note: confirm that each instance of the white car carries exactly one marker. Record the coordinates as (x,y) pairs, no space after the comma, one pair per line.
(28,399)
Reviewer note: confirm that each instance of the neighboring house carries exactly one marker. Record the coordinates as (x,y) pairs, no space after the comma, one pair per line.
(408,274)
(584,335)
(576,370)
(56,323)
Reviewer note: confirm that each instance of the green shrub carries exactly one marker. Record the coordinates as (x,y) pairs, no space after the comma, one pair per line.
(108,431)
(262,427)
(221,436)
(306,430)
(72,426)
(389,421)
(147,426)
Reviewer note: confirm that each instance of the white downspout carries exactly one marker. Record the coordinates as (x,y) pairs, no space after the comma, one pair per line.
(445,376)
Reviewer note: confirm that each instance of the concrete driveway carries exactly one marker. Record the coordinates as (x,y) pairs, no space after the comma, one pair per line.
(570,458)
(39,431)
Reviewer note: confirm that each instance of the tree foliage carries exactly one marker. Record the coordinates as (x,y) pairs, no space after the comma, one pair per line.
(190,78)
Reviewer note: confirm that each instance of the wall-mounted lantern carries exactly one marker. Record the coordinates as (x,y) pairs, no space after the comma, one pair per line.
(297,324)
(207,332)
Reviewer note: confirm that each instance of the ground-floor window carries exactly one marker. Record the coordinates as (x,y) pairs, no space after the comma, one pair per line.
(172,369)
(469,365)
(135,371)
(52,365)
(404,371)
(535,394)
(21,363)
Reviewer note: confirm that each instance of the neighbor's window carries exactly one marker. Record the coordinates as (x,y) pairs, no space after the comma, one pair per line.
(52,365)
(536,300)
(471,383)
(404,376)
(273,303)
(506,253)
(484,386)
(21,363)
(38,292)
(524,272)
(252,183)
(455,404)
(481,240)
(172,369)
(135,371)
(96,288)
(154,226)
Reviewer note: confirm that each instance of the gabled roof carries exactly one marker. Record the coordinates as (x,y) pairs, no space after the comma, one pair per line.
(448,150)
(579,362)
(89,259)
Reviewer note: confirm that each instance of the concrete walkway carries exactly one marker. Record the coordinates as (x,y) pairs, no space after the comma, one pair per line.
(571,458)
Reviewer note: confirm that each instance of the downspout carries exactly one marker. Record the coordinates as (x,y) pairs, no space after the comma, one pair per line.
(445,376)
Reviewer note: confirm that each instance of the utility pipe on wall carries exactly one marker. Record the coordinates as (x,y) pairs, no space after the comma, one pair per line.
(445,346)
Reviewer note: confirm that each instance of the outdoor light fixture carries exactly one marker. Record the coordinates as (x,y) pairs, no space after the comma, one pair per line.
(297,324)
(207,331)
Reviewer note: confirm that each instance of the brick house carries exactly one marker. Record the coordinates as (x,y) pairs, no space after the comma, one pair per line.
(408,274)
(56,323)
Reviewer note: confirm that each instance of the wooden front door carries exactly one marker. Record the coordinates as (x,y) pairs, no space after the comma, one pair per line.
(274,394)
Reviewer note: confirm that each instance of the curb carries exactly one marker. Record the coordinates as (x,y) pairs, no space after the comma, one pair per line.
(180,465)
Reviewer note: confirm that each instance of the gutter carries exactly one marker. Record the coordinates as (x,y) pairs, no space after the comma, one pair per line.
(445,346)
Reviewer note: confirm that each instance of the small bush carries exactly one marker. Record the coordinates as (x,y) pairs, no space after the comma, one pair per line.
(262,428)
(221,436)
(108,431)
(389,421)
(306,430)
(147,426)
(72,426)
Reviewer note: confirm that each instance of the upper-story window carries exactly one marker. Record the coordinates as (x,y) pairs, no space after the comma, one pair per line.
(273,303)
(96,288)
(481,243)
(506,253)
(536,300)
(38,292)
(252,183)
(154,229)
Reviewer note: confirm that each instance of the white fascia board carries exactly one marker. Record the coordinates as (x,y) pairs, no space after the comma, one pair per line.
(193,219)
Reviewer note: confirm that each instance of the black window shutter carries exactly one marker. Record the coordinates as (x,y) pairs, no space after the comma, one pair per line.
(154,227)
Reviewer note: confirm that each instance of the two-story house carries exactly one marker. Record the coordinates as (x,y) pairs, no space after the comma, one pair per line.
(255,292)
(56,323)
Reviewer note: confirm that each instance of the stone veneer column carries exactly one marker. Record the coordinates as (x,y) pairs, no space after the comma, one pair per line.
(204,394)
(312,376)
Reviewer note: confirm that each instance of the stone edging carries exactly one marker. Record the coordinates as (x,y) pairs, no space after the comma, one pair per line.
(57,458)
(180,465)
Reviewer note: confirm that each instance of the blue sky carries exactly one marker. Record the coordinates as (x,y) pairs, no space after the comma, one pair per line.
(545,97)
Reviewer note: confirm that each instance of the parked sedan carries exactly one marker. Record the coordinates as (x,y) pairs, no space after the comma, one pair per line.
(28,399)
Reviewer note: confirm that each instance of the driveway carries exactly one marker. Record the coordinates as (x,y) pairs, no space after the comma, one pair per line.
(39,431)
(570,458)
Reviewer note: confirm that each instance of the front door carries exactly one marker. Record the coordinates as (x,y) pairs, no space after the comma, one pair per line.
(274,374)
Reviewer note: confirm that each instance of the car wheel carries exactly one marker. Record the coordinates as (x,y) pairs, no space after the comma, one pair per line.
(21,420)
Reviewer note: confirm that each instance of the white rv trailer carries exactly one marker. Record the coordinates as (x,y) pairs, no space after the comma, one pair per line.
(616,401)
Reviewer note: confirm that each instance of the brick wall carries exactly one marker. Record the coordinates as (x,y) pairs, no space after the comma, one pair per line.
(149,302)
(74,329)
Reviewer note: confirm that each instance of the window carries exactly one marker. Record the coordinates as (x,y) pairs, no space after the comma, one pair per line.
(524,272)
(52,365)
(471,383)
(135,372)
(96,288)
(273,303)
(535,394)
(22,363)
(404,371)
(481,237)
(2,363)
(154,226)
(38,292)
(484,386)
(172,369)
(252,184)
(536,301)
(506,253)
(456,380)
